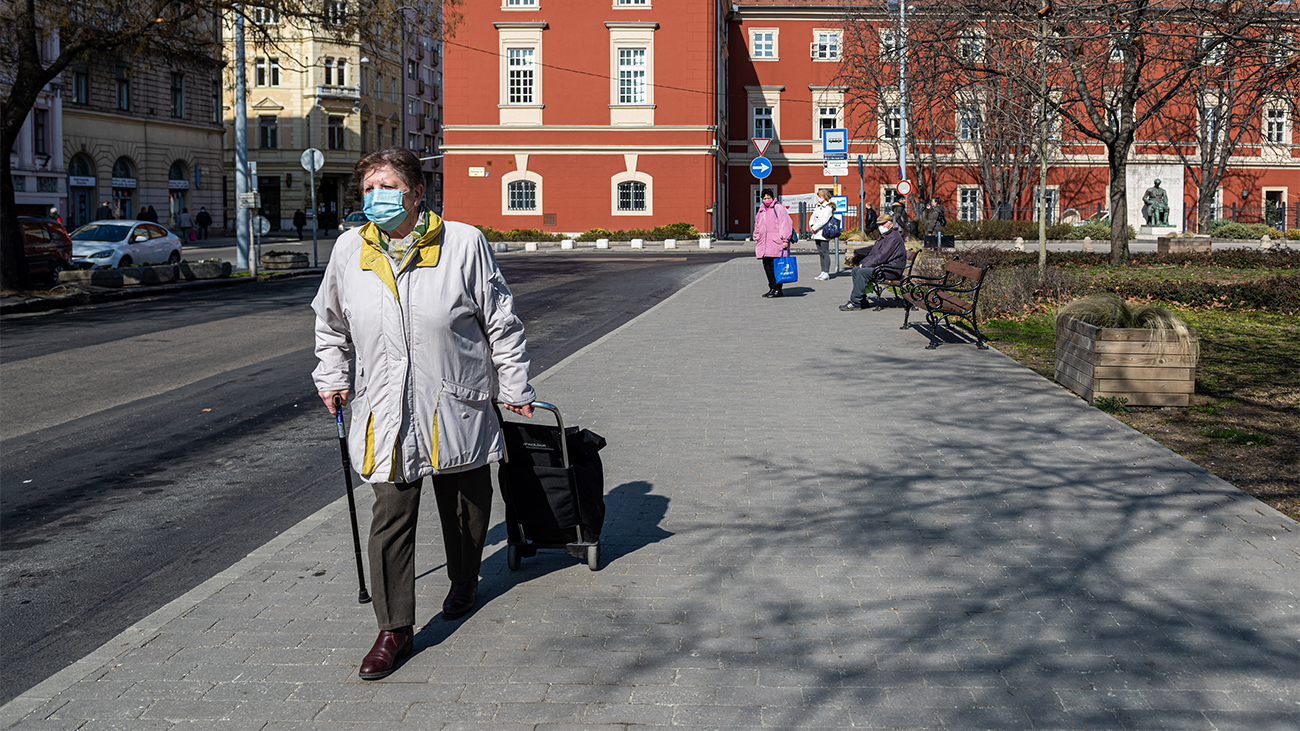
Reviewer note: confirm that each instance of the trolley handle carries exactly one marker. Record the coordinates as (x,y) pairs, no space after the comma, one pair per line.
(559,421)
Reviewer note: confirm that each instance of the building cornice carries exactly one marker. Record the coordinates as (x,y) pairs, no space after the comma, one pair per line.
(631,25)
(522,25)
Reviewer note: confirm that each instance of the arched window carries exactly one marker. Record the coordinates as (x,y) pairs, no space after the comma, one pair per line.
(123,168)
(178,171)
(631,194)
(521,195)
(81,166)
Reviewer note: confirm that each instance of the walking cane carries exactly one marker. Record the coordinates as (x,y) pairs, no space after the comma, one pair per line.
(363,596)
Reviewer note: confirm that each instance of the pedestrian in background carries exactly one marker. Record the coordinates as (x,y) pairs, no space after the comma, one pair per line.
(899,214)
(772,230)
(869,222)
(151,215)
(934,220)
(299,220)
(821,215)
(204,219)
(185,222)
(887,258)
(104,213)
(143,215)
(429,363)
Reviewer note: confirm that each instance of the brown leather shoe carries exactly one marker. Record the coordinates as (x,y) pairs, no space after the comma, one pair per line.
(461,599)
(390,647)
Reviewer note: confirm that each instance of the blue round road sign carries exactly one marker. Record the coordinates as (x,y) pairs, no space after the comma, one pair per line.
(761,167)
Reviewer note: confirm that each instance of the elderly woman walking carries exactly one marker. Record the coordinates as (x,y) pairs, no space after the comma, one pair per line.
(424,307)
(772,229)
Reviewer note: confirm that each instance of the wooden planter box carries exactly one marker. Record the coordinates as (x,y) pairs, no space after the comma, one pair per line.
(1133,363)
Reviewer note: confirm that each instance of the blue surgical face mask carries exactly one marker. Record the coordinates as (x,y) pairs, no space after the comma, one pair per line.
(384,207)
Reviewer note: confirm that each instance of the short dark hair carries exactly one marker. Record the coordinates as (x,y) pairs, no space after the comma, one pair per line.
(767,193)
(401,160)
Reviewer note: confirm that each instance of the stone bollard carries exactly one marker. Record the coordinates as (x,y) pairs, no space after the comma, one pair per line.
(566,244)
(602,243)
(1020,244)
(638,243)
(706,242)
(1087,243)
(530,246)
(501,247)
(1265,242)
(670,243)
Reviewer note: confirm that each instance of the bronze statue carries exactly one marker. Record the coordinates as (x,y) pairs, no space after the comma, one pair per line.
(1156,202)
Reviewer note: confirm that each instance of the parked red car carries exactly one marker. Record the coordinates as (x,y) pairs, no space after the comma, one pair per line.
(49,250)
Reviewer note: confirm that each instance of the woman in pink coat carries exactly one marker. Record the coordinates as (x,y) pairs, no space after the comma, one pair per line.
(772,229)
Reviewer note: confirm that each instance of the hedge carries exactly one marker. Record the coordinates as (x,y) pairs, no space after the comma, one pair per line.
(658,233)
(997,230)
(1270,293)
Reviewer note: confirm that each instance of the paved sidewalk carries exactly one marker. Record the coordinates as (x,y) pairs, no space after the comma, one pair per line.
(813,522)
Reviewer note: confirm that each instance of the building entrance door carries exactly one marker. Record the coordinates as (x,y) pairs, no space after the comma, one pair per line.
(83,208)
(327,203)
(269,187)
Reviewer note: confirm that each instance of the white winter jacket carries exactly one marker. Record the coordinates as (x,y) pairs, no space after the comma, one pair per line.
(820,216)
(434,344)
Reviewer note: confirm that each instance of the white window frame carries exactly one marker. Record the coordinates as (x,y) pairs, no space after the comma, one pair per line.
(967,130)
(889,45)
(827,44)
(336,12)
(975,207)
(1281,128)
(826,96)
(259,71)
(1053,203)
(521,36)
(637,4)
(521,173)
(340,72)
(627,36)
(264,16)
(765,113)
(632,176)
(631,75)
(329,71)
(273,71)
(775,50)
(764,96)
(971,46)
(889,194)
(519,5)
(891,111)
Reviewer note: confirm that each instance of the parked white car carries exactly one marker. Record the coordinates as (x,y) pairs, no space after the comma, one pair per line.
(111,243)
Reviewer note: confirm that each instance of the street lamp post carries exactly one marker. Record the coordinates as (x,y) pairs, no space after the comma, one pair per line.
(242,186)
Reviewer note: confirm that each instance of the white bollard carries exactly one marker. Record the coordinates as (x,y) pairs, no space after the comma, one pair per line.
(706,242)
(1265,242)
(670,243)
(566,244)
(602,243)
(1087,243)
(638,243)
(530,246)
(1020,244)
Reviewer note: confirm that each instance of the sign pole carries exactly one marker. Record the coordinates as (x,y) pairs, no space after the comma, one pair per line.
(315,258)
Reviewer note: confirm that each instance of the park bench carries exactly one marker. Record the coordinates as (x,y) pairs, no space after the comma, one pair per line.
(945,297)
(900,284)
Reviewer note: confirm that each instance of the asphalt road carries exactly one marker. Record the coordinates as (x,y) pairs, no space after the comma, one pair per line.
(150,444)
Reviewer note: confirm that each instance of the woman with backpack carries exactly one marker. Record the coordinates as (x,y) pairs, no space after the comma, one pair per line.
(823,213)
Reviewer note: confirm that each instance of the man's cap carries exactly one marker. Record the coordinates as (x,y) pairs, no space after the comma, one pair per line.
(887,218)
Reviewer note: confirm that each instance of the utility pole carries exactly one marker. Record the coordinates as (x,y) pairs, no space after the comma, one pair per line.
(242,214)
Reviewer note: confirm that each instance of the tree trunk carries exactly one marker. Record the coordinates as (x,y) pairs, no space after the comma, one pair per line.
(13,258)
(1118,204)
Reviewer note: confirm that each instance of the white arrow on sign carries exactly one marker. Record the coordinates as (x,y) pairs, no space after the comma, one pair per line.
(761,167)
(761,144)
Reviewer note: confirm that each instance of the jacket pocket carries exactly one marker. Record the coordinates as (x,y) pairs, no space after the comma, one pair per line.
(462,419)
(361,437)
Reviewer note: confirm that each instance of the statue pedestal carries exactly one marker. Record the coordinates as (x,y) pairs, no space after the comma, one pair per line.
(1158,231)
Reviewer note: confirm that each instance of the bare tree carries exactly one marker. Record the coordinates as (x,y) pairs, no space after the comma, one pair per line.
(154,28)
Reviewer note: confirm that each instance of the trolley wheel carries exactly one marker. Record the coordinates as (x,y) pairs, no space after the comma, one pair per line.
(593,557)
(512,557)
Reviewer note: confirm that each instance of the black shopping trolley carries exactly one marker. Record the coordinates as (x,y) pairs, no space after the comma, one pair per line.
(553,488)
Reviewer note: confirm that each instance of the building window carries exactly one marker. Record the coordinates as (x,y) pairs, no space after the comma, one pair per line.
(178,95)
(329,72)
(259,71)
(336,141)
(336,12)
(38,132)
(521,3)
(122,82)
(365,81)
(631,76)
(521,195)
(268,128)
(520,75)
(970,48)
(428,144)
(1211,129)
(341,69)
(80,87)
(412,70)
(392,137)
(266,16)
(1275,126)
(827,118)
(216,102)
(634,3)
(968,124)
(413,106)
(631,196)
(763,126)
(413,141)
(890,45)
(968,204)
(1050,202)
(365,136)
(273,65)
(826,45)
(893,122)
(762,44)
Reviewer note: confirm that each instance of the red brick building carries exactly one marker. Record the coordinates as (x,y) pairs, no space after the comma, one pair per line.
(568,115)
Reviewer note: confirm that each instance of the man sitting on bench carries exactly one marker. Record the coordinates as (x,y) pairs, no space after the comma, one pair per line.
(887,259)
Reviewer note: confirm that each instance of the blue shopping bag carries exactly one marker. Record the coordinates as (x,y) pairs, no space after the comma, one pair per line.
(787,270)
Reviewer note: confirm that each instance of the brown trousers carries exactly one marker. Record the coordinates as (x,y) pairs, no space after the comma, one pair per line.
(464,509)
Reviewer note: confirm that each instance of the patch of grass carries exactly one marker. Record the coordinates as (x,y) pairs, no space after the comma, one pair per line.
(1212,408)
(1030,341)
(1233,435)
(1112,404)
